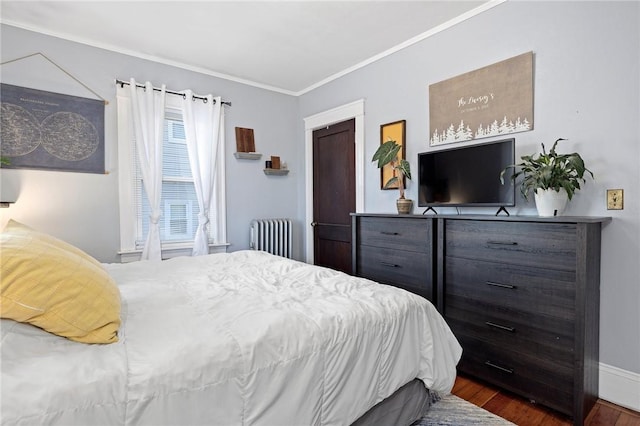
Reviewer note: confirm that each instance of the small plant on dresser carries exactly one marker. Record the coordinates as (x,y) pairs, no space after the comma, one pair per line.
(387,153)
(552,177)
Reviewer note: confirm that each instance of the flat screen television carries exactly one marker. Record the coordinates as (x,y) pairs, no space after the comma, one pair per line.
(467,176)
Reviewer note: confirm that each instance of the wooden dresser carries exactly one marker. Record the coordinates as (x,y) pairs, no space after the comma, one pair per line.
(396,250)
(521,294)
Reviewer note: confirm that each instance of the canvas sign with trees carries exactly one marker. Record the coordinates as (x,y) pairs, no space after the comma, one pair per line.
(492,101)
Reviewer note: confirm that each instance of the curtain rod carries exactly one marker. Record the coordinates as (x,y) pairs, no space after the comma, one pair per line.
(142,86)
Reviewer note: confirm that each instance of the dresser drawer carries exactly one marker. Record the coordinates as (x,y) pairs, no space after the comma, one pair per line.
(540,291)
(543,337)
(546,245)
(396,267)
(541,381)
(395,233)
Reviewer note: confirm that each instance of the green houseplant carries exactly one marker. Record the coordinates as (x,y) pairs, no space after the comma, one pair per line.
(549,175)
(387,153)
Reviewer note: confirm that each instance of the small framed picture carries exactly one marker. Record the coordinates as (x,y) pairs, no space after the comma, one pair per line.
(244,140)
(396,132)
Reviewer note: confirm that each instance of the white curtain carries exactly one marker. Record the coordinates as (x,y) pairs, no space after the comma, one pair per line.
(204,132)
(148,110)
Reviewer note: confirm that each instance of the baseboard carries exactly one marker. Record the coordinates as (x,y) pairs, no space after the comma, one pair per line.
(620,387)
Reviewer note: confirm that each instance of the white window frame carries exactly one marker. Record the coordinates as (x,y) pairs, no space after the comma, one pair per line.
(129,251)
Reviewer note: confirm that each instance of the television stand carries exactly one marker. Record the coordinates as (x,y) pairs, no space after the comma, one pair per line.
(432,209)
(502,209)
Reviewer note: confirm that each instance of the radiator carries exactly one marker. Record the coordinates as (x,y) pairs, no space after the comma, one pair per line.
(271,235)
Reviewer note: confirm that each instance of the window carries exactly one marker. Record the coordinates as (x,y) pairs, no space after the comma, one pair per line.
(179,202)
(179,220)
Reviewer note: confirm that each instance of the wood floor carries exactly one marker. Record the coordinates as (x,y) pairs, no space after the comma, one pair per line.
(523,413)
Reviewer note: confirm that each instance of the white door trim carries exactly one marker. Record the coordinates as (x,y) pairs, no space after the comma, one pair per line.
(324,119)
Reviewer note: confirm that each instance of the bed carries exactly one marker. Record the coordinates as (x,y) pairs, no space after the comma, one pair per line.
(242,338)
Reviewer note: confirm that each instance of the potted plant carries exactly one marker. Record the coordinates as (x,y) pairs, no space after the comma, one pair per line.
(387,153)
(553,178)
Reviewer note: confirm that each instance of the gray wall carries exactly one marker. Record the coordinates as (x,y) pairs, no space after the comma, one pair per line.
(586,71)
(83,208)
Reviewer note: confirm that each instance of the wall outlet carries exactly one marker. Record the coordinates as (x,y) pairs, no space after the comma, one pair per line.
(615,199)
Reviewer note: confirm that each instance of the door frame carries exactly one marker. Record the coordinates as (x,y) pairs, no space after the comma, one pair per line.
(338,114)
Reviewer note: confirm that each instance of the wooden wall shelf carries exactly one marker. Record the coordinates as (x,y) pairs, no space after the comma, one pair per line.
(276,172)
(247,155)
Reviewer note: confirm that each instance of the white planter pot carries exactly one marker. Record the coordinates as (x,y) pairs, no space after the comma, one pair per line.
(550,202)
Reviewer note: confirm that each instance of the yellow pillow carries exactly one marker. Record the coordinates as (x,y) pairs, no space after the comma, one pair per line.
(56,286)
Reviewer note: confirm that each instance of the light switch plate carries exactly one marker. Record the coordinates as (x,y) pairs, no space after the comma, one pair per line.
(615,199)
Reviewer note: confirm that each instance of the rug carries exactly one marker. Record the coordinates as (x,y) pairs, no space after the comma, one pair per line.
(454,411)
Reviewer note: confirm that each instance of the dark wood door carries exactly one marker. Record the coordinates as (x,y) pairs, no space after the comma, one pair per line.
(334,195)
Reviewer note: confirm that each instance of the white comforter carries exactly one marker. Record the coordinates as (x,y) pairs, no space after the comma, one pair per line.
(243,338)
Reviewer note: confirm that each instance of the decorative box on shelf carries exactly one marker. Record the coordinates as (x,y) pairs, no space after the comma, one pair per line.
(276,172)
(247,155)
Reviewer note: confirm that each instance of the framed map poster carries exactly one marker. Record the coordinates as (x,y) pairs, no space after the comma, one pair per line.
(51,131)
(492,101)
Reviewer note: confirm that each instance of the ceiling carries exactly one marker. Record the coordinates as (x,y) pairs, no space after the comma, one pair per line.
(285,46)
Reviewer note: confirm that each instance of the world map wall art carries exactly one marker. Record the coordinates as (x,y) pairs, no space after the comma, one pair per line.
(51,131)
(490,101)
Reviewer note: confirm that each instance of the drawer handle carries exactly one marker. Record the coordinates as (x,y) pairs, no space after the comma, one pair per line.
(497,367)
(495,284)
(389,233)
(501,327)
(391,265)
(503,243)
